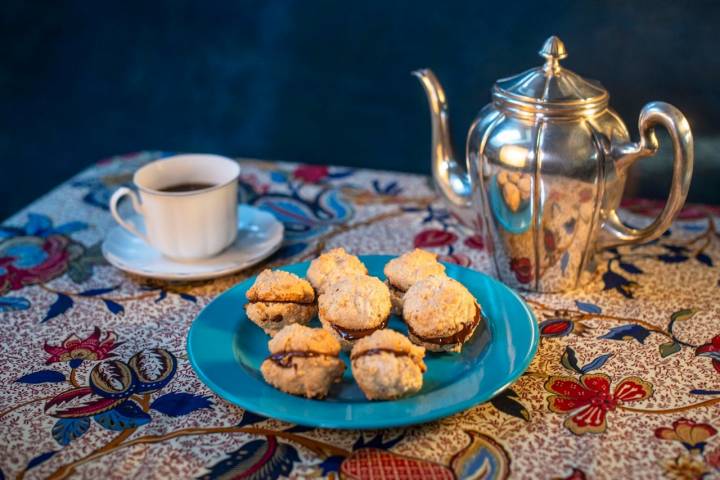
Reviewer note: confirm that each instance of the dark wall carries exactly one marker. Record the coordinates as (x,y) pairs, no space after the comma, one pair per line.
(312,81)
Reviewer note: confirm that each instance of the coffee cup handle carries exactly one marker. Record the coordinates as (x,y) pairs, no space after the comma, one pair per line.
(115,200)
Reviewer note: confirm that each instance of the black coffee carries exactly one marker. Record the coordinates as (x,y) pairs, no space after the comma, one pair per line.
(186,187)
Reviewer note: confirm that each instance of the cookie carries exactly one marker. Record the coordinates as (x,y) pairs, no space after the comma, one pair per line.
(303,361)
(354,307)
(440,313)
(386,365)
(280,286)
(331,266)
(278,299)
(408,269)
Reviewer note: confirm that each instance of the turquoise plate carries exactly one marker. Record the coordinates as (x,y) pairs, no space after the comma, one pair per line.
(226,351)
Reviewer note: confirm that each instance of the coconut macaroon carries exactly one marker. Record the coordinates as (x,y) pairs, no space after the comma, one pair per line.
(332,265)
(354,307)
(440,314)
(408,269)
(387,365)
(303,361)
(278,299)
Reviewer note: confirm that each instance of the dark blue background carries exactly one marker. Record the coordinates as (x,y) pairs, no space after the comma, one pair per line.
(318,81)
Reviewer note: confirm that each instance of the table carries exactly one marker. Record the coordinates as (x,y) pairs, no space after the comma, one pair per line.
(625,382)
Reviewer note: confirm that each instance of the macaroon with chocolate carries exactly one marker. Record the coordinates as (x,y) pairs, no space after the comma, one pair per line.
(303,361)
(441,314)
(354,307)
(331,266)
(278,299)
(386,365)
(408,269)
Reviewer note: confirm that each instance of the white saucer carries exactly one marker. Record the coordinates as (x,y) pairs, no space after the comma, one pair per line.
(259,236)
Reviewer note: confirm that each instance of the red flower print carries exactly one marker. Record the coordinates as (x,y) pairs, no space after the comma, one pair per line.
(576,474)
(74,349)
(30,260)
(691,434)
(711,350)
(588,400)
(475,242)
(556,327)
(434,238)
(311,173)
(254,182)
(79,402)
(522,267)
(456,258)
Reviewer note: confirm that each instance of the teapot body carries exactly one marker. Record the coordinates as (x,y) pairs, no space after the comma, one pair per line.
(541,186)
(545,170)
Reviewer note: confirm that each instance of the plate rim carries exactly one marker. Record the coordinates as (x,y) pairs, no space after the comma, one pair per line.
(375,423)
(117,263)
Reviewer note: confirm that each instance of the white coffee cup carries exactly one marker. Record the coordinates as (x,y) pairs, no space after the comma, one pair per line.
(184,225)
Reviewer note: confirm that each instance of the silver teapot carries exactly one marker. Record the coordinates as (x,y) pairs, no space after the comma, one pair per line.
(546,163)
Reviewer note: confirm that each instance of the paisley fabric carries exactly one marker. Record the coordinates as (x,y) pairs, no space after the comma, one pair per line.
(96,382)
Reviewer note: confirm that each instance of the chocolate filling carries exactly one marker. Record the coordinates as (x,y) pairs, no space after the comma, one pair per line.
(458,337)
(352,334)
(397,290)
(279,318)
(284,359)
(376,351)
(282,301)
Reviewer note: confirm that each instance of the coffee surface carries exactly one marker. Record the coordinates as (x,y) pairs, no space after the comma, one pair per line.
(186,187)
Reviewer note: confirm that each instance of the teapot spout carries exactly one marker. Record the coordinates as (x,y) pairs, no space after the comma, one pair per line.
(451,178)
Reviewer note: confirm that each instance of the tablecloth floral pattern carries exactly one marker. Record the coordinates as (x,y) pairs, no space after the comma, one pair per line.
(96,383)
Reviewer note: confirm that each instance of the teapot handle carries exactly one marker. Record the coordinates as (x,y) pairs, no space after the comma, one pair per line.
(653,114)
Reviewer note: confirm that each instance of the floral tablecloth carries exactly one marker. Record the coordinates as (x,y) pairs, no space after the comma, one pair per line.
(626,382)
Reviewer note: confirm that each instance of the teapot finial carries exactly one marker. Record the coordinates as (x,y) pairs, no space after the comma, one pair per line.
(553,50)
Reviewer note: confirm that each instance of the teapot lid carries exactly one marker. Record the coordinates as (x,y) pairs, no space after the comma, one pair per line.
(550,89)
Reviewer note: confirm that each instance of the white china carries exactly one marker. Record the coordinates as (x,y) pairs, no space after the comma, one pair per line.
(188,225)
(258,235)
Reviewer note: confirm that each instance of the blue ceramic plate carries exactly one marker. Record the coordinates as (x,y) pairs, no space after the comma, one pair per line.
(226,350)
